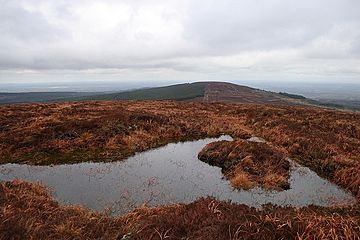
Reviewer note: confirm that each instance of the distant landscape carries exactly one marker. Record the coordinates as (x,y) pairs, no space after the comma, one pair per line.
(28,97)
(198,91)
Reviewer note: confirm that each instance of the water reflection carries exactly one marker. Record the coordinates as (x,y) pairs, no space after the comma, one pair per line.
(169,174)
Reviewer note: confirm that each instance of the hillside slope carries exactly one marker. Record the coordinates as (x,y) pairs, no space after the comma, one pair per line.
(232,93)
(204,92)
(198,91)
(173,92)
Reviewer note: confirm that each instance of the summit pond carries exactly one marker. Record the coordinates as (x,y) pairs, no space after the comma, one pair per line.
(167,175)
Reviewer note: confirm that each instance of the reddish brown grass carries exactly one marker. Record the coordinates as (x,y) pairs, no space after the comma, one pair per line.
(28,212)
(327,141)
(76,132)
(247,164)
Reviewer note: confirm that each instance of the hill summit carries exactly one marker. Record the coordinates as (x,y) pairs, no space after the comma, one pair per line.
(204,92)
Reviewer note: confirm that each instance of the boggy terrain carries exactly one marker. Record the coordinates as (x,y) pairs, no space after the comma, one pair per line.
(28,212)
(247,164)
(327,141)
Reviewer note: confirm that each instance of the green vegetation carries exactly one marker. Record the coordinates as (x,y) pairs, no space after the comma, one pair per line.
(173,92)
(295,96)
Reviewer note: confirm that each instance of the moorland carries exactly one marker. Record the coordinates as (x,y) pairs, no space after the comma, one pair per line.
(325,140)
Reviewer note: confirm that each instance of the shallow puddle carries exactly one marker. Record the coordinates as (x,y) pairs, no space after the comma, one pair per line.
(256,139)
(169,174)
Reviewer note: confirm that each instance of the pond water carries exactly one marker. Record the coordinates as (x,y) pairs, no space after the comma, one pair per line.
(169,174)
(257,139)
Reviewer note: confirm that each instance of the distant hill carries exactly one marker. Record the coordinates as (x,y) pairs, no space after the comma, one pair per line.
(203,91)
(174,92)
(198,91)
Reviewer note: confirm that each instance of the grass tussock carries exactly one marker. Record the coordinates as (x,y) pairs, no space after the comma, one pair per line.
(242,179)
(28,212)
(327,141)
(247,164)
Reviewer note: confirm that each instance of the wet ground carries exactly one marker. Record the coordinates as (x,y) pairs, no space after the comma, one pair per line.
(169,174)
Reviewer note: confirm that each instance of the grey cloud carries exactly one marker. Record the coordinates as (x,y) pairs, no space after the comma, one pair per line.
(24,25)
(198,36)
(355,48)
(265,24)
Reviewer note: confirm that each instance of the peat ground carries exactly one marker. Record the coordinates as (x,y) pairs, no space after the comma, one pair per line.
(327,141)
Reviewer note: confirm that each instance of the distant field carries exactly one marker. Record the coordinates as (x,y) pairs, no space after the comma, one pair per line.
(38,96)
(346,104)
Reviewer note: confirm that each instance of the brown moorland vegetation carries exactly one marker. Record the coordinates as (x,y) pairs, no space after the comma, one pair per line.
(95,131)
(327,141)
(233,93)
(28,212)
(247,164)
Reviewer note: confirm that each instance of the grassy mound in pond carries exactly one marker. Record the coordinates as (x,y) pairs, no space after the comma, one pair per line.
(248,164)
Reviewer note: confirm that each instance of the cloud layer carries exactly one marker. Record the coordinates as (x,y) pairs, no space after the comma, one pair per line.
(180,39)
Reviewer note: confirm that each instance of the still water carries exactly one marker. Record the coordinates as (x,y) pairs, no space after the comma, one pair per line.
(169,174)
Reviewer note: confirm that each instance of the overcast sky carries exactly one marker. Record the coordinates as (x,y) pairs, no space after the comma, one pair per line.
(190,40)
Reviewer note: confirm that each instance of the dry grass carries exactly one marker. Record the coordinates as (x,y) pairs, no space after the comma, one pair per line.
(76,132)
(28,212)
(274,179)
(327,141)
(247,164)
(241,179)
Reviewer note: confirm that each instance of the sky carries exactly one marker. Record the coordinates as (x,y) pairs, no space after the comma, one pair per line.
(179,40)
